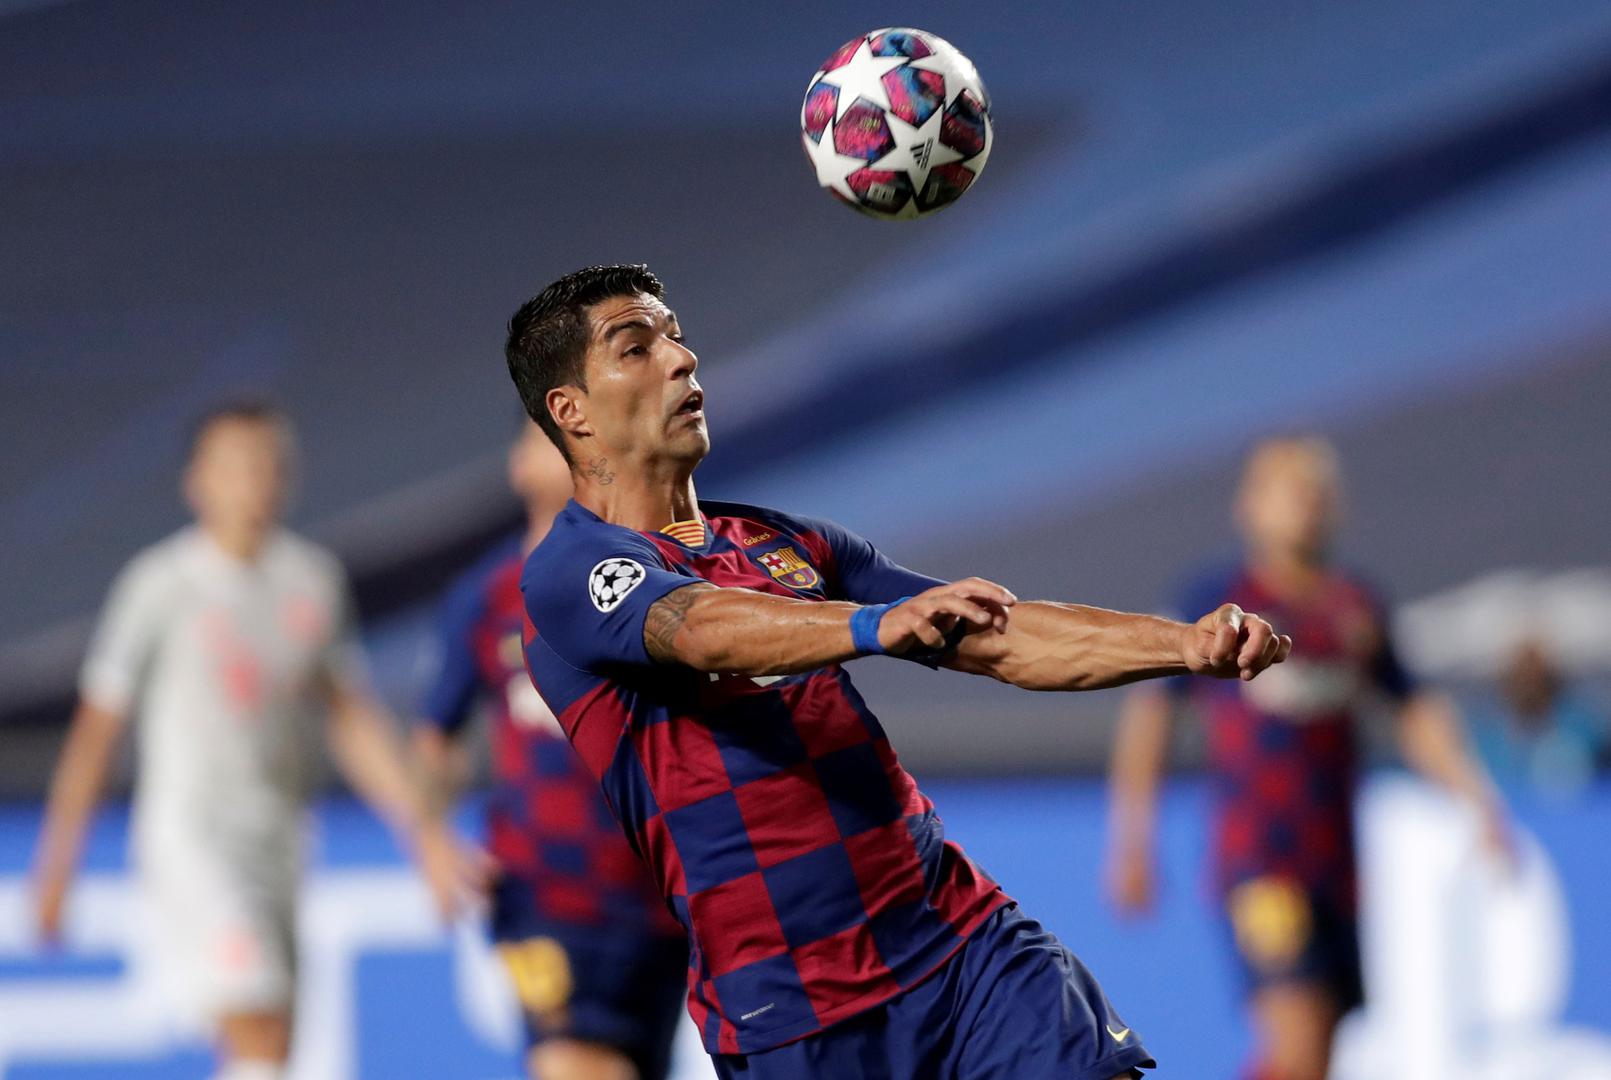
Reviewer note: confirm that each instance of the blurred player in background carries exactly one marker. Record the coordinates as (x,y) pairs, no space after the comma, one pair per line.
(1284,758)
(598,964)
(694,654)
(233,641)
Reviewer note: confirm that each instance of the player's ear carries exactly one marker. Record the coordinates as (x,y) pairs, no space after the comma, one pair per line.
(568,406)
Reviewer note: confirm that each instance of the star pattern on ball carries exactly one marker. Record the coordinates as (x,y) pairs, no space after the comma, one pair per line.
(947,62)
(862,76)
(833,168)
(917,149)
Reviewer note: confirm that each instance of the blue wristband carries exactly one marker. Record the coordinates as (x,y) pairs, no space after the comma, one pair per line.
(864,627)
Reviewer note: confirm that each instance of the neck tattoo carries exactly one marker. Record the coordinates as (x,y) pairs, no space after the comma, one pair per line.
(599,470)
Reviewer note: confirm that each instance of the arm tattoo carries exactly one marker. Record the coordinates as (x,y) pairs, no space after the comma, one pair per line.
(665,620)
(599,469)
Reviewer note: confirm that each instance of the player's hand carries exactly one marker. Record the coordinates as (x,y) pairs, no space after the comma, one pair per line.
(1231,644)
(50,905)
(924,621)
(1131,880)
(457,874)
(1498,836)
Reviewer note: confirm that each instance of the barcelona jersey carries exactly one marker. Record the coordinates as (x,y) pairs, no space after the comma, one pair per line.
(813,877)
(1283,748)
(548,829)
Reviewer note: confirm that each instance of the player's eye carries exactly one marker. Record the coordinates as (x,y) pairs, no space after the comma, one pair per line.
(636,350)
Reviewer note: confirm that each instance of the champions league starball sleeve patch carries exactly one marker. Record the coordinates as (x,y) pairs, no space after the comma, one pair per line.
(610,581)
(625,575)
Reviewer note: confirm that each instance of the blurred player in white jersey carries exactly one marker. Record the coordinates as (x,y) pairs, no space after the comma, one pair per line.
(233,641)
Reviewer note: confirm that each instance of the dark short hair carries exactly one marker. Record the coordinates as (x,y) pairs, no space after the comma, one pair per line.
(548,335)
(249,410)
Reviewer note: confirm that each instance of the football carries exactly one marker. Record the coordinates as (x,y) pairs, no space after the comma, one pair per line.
(897,123)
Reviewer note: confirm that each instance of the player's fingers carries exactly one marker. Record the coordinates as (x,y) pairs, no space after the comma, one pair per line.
(1223,644)
(50,905)
(963,608)
(914,624)
(978,586)
(980,590)
(998,612)
(928,634)
(1283,649)
(1264,659)
(1499,838)
(1223,628)
(1131,887)
(1256,635)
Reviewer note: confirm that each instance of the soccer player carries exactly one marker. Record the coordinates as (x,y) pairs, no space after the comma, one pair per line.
(596,960)
(693,653)
(1283,756)
(230,639)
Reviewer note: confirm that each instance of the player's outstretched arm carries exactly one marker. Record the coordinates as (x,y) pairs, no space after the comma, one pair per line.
(741,632)
(1433,742)
(365,749)
(74,790)
(1049,646)
(1140,753)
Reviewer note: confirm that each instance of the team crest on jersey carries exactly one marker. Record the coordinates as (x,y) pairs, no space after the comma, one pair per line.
(786,565)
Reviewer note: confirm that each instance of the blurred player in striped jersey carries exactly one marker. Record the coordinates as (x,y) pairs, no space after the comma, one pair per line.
(596,960)
(1283,755)
(233,640)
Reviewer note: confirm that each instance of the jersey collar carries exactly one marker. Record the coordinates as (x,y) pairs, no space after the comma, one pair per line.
(693,533)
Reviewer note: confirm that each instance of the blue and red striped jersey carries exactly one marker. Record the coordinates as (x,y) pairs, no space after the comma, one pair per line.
(546,823)
(1283,748)
(813,877)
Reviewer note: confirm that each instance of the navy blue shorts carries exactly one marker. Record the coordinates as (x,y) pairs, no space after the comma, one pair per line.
(1285,932)
(1011,1004)
(611,985)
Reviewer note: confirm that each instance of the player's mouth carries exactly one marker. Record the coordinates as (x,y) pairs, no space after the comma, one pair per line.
(693,405)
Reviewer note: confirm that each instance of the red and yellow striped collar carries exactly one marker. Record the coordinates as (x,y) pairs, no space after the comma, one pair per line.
(690,533)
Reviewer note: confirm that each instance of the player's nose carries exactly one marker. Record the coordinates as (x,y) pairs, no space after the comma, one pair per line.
(682,362)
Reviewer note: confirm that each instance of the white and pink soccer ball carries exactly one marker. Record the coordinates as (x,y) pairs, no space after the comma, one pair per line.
(897,123)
